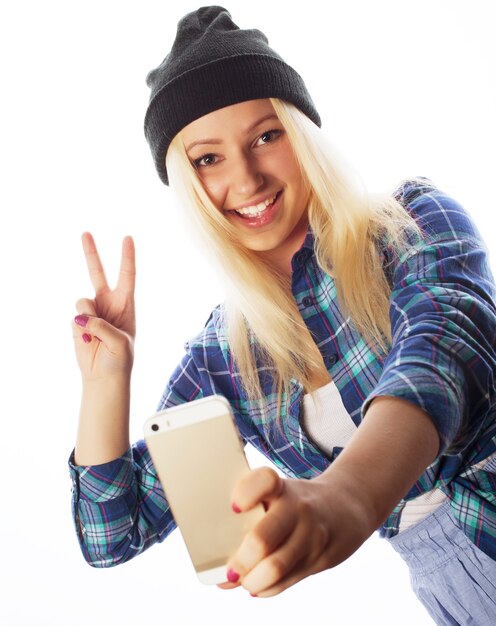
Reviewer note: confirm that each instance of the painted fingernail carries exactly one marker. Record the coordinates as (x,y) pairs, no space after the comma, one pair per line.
(86,338)
(235,507)
(232,576)
(253,595)
(81,320)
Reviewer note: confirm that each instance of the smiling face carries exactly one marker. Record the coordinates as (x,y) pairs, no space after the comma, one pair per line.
(247,167)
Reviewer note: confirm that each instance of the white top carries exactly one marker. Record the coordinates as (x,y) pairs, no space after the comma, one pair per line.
(329,424)
(326,419)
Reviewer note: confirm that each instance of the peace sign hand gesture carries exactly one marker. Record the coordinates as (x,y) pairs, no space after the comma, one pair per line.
(105,326)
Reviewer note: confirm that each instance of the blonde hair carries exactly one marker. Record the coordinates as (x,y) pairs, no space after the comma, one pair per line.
(350,228)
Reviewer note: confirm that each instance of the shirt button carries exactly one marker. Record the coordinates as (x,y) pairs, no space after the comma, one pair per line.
(307,301)
(331,360)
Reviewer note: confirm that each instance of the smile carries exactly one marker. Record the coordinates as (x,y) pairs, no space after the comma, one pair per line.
(257,215)
(257,209)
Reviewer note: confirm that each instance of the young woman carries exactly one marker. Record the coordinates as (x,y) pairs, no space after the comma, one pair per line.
(356,344)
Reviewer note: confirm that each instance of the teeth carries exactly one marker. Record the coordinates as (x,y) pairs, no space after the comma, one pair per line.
(256,209)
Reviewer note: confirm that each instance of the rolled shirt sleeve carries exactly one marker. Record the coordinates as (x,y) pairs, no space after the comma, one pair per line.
(119,508)
(443,323)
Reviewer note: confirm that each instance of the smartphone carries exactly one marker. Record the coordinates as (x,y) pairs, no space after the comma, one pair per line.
(199,458)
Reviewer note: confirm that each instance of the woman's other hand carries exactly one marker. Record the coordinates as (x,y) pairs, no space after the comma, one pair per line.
(105,326)
(104,331)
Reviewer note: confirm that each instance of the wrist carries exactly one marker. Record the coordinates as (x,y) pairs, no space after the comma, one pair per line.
(103,432)
(347,494)
(109,384)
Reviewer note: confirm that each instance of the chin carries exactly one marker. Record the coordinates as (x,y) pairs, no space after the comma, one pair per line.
(263,245)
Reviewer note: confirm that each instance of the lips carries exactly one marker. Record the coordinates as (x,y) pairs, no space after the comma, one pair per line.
(255,210)
(257,215)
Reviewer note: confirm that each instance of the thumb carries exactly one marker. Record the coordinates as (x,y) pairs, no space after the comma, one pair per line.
(261,485)
(85,306)
(87,326)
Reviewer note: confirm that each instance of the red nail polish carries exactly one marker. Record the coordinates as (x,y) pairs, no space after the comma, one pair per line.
(253,595)
(235,507)
(232,576)
(86,338)
(81,320)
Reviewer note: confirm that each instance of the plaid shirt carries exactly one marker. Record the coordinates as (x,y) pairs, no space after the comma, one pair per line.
(442,358)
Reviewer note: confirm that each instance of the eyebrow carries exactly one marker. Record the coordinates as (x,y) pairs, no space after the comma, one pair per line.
(269,116)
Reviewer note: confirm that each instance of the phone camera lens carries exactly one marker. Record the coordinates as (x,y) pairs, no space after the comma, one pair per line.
(154,426)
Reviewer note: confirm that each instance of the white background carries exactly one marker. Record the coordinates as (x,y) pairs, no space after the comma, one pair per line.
(403,88)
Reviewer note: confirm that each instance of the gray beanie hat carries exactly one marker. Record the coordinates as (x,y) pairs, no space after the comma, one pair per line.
(214,64)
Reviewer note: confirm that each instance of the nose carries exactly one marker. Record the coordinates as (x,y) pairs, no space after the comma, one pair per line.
(246,177)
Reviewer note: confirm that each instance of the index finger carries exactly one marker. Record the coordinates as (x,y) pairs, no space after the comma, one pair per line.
(127,272)
(95,267)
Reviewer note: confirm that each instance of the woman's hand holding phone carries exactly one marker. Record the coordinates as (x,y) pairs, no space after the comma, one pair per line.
(104,332)
(304,531)
(313,525)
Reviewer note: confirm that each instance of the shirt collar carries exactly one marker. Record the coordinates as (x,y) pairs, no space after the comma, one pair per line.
(309,240)
(304,251)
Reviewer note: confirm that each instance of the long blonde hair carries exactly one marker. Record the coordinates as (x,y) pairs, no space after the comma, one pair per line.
(349,226)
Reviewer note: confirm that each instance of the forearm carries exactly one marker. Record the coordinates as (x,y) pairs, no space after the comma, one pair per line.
(103,432)
(390,450)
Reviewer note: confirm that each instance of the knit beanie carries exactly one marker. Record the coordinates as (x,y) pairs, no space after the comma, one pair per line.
(213,64)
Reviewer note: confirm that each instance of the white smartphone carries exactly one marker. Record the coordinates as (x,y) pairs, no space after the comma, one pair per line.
(199,458)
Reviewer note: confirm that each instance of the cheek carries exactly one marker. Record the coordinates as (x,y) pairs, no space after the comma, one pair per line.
(291,171)
(296,183)
(216,191)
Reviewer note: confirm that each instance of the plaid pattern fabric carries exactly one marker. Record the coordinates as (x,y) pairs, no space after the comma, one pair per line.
(442,358)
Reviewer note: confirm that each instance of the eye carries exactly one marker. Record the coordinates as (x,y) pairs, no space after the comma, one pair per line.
(269,136)
(205,160)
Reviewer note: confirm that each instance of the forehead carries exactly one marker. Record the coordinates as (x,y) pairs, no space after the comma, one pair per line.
(234,119)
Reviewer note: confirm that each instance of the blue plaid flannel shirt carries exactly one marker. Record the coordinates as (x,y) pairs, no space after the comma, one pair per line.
(442,358)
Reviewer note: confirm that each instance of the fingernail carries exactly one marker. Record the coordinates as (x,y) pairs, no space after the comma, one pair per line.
(86,338)
(253,595)
(232,576)
(81,320)
(235,507)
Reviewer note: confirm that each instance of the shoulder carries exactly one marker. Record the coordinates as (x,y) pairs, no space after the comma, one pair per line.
(439,215)
(410,188)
